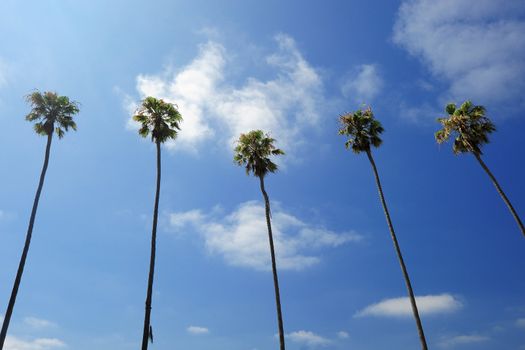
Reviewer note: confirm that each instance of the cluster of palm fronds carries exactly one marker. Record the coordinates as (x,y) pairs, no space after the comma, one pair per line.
(53,114)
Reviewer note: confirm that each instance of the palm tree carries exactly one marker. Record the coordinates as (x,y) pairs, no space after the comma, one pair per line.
(363,132)
(161,120)
(470,129)
(253,151)
(52,114)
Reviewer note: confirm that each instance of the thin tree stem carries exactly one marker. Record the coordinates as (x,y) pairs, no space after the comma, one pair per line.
(147,315)
(399,255)
(501,193)
(274,265)
(16,285)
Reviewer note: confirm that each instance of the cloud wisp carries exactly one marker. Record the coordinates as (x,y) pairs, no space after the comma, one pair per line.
(309,339)
(39,323)
(465,339)
(14,343)
(241,236)
(363,85)
(196,330)
(400,307)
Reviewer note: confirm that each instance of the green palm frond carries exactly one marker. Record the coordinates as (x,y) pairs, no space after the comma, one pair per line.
(468,125)
(159,118)
(362,129)
(253,151)
(51,113)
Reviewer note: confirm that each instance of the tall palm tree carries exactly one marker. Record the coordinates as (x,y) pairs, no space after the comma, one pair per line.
(253,151)
(363,132)
(470,129)
(52,114)
(162,120)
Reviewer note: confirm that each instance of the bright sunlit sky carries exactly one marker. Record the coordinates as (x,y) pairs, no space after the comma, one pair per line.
(289,68)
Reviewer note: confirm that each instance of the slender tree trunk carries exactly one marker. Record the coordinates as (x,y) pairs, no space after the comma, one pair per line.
(501,193)
(16,285)
(274,266)
(147,328)
(399,255)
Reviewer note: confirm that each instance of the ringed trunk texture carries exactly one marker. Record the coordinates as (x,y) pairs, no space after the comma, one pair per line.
(274,266)
(147,315)
(501,193)
(16,285)
(399,256)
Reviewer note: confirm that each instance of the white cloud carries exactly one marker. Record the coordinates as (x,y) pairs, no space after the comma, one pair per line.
(214,109)
(477,46)
(308,338)
(14,343)
(195,330)
(179,220)
(463,340)
(364,85)
(520,322)
(400,307)
(241,237)
(38,322)
(343,335)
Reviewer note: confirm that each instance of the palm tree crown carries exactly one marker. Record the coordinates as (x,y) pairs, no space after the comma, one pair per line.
(51,113)
(161,119)
(253,151)
(468,125)
(362,129)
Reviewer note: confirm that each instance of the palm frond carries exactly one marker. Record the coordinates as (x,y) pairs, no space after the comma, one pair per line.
(362,130)
(253,151)
(468,125)
(51,112)
(159,118)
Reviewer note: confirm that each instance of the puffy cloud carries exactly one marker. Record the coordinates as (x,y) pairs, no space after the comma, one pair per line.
(463,340)
(213,109)
(195,330)
(308,338)
(364,85)
(14,343)
(241,237)
(476,45)
(400,307)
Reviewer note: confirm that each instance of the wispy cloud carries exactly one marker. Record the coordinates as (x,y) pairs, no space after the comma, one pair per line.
(14,343)
(308,338)
(477,46)
(363,85)
(400,307)
(215,109)
(3,73)
(343,335)
(520,322)
(241,236)
(459,340)
(39,322)
(195,330)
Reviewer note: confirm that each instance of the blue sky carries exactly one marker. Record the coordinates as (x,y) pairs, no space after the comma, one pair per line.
(290,68)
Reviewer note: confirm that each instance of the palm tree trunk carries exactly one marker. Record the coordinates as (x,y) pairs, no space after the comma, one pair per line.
(274,266)
(501,193)
(146,336)
(399,255)
(16,285)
